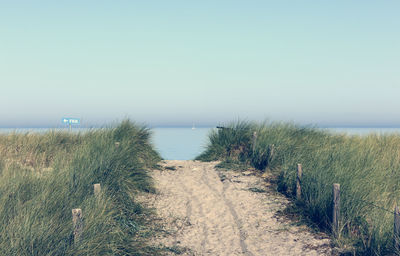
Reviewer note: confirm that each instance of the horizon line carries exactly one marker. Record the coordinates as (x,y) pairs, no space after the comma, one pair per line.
(190,126)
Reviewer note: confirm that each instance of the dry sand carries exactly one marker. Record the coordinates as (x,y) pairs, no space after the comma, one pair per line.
(215,212)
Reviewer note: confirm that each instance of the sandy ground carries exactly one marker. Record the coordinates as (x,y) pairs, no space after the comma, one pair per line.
(215,212)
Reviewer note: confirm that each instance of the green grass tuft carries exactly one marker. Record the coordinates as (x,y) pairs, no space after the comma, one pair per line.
(44,176)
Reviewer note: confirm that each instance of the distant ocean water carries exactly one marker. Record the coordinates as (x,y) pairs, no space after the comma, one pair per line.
(180,143)
(186,143)
(42,130)
(361,130)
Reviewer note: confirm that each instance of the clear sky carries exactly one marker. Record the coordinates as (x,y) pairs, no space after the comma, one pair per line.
(178,62)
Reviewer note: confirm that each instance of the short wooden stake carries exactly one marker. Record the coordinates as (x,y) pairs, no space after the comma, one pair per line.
(254,141)
(97,189)
(271,152)
(396,233)
(298,181)
(336,209)
(77,222)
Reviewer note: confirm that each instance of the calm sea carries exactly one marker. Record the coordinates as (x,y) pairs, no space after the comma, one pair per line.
(186,143)
(180,143)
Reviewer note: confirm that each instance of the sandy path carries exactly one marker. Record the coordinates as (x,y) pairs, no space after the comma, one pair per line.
(214,212)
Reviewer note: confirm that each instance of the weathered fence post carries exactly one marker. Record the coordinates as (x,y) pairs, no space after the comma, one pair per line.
(77,222)
(117,144)
(396,231)
(97,189)
(336,209)
(254,141)
(298,181)
(271,151)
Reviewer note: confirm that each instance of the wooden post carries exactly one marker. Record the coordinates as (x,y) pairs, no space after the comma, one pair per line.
(298,181)
(254,140)
(117,144)
(97,189)
(396,233)
(271,152)
(77,223)
(336,209)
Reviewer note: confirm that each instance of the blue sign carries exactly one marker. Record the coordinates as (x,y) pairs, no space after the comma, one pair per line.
(69,120)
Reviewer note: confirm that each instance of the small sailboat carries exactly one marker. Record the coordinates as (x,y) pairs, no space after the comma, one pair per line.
(193,128)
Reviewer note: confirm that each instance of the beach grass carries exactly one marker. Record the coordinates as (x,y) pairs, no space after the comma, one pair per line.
(44,176)
(366,167)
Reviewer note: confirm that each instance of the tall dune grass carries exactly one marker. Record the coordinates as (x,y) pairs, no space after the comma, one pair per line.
(44,176)
(367,168)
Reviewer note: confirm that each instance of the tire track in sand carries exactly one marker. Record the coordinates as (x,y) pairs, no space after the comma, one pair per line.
(206,177)
(189,207)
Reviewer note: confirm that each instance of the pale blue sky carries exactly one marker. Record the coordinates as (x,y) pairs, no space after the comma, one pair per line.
(178,62)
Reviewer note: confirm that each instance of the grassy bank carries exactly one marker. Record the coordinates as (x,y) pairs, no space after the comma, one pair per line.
(367,168)
(44,176)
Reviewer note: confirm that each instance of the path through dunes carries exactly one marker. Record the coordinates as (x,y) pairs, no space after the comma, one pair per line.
(215,212)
